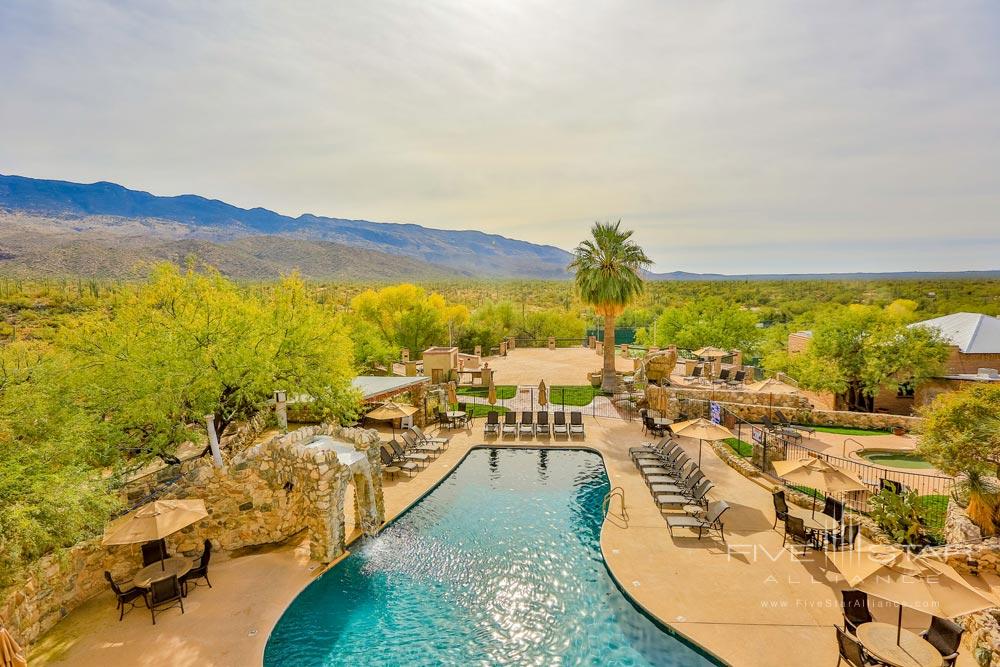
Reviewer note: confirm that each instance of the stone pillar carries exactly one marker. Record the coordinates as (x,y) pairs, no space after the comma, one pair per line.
(552,342)
(411,369)
(738,358)
(599,348)
(592,342)
(624,349)
(511,343)
(503,348)
(405,353)
(689,365)
(281,410)
(213,440)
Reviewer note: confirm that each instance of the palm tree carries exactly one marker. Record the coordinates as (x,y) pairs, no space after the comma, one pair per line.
(607,270)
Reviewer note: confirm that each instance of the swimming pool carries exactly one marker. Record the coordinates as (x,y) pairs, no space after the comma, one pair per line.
(499,565)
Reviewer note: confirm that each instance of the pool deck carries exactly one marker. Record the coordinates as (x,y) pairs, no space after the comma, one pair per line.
(751,603)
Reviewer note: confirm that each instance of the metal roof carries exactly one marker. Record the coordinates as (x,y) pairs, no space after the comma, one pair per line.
(373,387)
(972,333)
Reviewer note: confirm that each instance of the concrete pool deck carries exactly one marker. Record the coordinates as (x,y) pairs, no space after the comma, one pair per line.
(750,604)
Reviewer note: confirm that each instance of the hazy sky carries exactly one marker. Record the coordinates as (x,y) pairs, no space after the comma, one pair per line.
(733,136)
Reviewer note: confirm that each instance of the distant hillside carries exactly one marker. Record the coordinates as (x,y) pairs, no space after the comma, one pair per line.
(101,206)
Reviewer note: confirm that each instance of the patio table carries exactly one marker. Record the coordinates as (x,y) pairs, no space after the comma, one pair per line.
(662,421)
(879,639)
(820,522)
(175,565)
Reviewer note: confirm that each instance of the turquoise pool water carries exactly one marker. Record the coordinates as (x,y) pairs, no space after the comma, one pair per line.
(499,565)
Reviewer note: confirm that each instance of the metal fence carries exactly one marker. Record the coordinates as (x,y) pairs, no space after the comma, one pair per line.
(589,401)
(933,490)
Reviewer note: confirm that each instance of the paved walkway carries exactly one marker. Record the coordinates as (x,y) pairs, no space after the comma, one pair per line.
(751,602)
(564,365)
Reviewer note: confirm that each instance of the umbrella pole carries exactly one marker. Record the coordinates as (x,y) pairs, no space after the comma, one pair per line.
(163,556)
(899,624)
(815,494)
(699,452)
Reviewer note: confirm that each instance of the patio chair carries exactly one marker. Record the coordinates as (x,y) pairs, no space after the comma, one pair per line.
(415,444)
(847,536)
(164,594)
(790,433)
(527,424)
(559,423)
(856,611)
(126,597)
(576,423)
(738,378)
(946,636)
(658,456)
(795,528)
(419,432)
(697,497)
(464,419)
(199,572)
(389,460)
(896,487)
(852,651)
(510,423)
(786,423)
(661,466)
(723,377)
(542,423)
(833,508)
(415,457)
(712,520)
(154,552)
(662,446)
(780,507)
(695,374)
(492,425)
(665,484)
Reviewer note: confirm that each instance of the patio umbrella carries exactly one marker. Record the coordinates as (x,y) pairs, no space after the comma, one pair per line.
(703,429)
(452,393)
(819,475)
(11,654)
(491,393)
(909,580)
(543,395)
(390,411)
(711,353)
(154,521)
(771,386)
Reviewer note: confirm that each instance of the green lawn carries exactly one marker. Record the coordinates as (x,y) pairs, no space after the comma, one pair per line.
(481,409)
(575,395)
(504,391)
(741,447)
(839,430)
(935,508)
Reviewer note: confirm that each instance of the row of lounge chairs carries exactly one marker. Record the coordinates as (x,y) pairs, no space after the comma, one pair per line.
(533,423)
(416,450)
(677,482)
(732,378)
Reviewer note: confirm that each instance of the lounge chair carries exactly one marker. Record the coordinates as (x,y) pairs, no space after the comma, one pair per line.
(527,424)
(945,636)
(695,374)
(492,425)
(389,460)
(419,432)
(856,611)
(786,423)
(510,423)
(576,423)
(125,597)
(542,423)
(658,457)
(712,520)
(847,536)
(790,433)
(416,444)
(164,594)
(644,461)
(416,457)
(723,377)
(738,378)
(662,447)
(559,423)
(664,484)
(852,651)
(795,528)
(200,571)
(679,469)
(698,497)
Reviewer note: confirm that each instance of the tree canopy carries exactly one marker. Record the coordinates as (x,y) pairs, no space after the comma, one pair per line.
(961,430)
(709,321)
(407,316)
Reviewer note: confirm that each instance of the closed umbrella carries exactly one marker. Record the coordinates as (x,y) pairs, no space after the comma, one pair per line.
(819,475)
(909,580)
(703,429)
(154,521)
(452,393)
(491,393)
(543,395)
(391,411)
(11,654)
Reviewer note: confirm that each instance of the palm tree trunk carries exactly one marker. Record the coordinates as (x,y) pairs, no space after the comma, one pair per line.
(609,380)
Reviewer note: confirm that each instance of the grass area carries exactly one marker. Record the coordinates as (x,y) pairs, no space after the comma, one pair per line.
(575,395)
(809,491)
(897,460)
(741,447)
(504,391)
(843,430)
(481,410)
(934,507)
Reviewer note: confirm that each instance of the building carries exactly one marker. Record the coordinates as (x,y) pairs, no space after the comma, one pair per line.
(974,356)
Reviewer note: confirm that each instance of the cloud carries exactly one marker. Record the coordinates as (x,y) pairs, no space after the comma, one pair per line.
(735,137)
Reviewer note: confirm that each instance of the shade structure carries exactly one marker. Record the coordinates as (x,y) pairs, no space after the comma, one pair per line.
(154,521)
(711,353)
(703,429)
(909,580)
(11,654)
(543,394)
(452,393)
(771,386)
(391,411)
(491,393)
(819,475)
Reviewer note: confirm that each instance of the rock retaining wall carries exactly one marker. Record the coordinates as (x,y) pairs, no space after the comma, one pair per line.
(269,492)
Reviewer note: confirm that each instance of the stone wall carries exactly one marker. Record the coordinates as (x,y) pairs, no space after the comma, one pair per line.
(270,492)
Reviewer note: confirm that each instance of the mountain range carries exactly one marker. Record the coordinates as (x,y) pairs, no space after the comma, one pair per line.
(58,228)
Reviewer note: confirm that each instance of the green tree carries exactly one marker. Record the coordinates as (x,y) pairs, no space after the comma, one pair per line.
(961,430)
(857,350)
(608,277)
(709,321)
(407,316)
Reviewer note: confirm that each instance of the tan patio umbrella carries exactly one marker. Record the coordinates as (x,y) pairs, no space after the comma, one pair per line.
(491,393)
(703,429)
(543,395)
(771,386)
(154,521)
(711,353)
(11,654)
(452,393)
(390,411)
(819,475)
(909,580)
